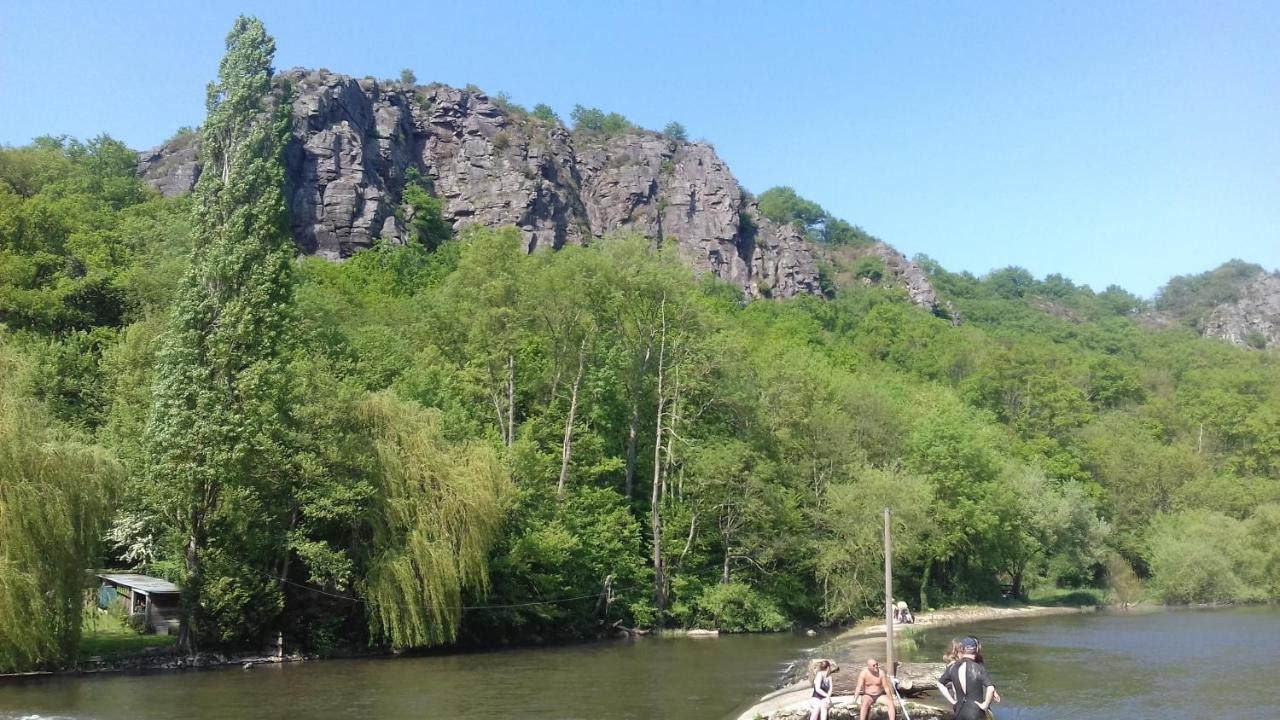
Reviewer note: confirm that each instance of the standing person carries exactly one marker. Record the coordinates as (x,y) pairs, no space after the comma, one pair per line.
(965,683)
(871,689)
(820,701)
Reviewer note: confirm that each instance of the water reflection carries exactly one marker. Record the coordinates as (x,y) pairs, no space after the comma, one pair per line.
(671,678)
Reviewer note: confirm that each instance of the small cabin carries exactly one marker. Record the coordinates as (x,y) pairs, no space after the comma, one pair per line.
(153,599)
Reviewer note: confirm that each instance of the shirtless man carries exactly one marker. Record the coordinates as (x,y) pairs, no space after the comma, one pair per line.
(872,689)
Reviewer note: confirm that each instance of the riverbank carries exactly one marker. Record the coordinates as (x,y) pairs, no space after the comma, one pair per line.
(866,639)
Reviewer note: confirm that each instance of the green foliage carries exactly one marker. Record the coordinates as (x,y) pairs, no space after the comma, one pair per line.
(784,206)
(504,101)
(408,78)
(1206,557)
(594,121)
(424,211)
(436,512)
(735,607)
(56,495)
(543,113)
(1191,297)
(870,267)
(568,441)
(216,457)
(676,131)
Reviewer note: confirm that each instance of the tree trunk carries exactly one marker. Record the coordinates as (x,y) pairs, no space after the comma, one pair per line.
(924,585)
(724,570)
(190,597)
(566,450)
(633,429)
(655,514)
(671,431)
(511,399)
(497,411)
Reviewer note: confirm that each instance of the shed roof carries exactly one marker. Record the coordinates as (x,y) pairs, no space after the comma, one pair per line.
(145,583)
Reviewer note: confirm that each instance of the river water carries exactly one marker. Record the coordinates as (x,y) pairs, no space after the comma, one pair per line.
(1217,663)
(1167,664)
(676,678)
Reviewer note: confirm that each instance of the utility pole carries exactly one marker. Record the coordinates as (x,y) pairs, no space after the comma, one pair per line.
(888,602)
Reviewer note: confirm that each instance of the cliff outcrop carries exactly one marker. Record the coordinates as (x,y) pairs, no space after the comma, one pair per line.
(1253,319)
(355,141)
(1237,301)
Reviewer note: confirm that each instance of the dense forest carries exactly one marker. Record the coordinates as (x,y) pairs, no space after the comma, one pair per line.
(452,440)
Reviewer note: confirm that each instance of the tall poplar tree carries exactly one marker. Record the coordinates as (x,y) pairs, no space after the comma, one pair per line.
(218,432)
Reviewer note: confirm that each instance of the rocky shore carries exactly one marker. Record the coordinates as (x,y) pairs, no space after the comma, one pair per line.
(850,650)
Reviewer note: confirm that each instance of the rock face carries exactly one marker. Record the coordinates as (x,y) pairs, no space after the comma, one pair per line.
(355,142)
(172,168)
(1254,319)
(912,276)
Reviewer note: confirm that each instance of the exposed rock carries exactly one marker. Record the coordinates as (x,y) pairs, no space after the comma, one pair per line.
(356,140)
(172,168)
(913,277)
(1254,319)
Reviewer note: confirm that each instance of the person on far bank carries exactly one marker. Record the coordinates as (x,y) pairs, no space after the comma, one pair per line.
(965,683)
(871,690)
(820,701)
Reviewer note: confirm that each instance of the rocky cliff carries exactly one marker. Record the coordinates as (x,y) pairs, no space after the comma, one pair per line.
(1238,302)
(493,164)
(1252,320)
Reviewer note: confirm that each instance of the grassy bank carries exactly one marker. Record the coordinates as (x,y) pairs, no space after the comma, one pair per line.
(106,636)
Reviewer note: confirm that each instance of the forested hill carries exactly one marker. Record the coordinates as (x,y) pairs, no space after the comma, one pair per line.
(452,439)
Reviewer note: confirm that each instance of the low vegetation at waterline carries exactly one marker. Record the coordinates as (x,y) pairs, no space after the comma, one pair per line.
(456,441)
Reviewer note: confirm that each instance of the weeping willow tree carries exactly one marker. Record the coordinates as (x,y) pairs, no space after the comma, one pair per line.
(55,501)
(436,514)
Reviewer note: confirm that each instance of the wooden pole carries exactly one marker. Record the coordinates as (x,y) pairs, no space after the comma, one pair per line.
(888,602)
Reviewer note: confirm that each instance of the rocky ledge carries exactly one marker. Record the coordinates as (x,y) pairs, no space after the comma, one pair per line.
(1252,320)
(492,163)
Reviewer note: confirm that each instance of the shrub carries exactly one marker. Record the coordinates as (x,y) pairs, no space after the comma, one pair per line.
(1201,557)
(596,121)
(544,113)
(870,267)
(407,78)
(509,106)
(675,131)
(735,607)
(501,141)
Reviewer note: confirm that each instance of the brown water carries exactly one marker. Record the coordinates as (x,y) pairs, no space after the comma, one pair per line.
(650,678)
(1168,664)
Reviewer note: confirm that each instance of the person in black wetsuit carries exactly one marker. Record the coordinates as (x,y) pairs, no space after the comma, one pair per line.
(967,677)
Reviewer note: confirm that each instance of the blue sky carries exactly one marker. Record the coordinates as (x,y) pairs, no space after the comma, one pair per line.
(1111,142)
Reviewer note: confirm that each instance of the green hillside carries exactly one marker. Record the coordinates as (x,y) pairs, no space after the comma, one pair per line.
(472,444)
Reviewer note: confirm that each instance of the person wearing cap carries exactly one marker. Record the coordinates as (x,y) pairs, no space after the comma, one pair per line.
(965,683)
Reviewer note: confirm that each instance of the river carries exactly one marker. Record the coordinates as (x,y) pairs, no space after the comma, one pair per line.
(675,678)
(1136,666)
(1218,663)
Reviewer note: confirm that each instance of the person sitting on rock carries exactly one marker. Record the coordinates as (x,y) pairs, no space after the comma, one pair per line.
(871,689)
(820,701)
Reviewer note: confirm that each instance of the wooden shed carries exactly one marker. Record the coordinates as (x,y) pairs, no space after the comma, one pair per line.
(156,600)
